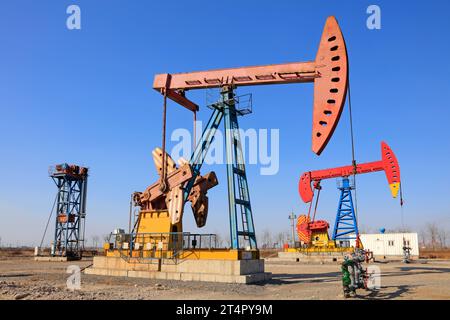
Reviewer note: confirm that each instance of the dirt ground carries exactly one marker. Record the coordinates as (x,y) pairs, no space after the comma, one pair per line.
(24,278)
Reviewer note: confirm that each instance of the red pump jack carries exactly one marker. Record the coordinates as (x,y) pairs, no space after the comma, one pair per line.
(311,179)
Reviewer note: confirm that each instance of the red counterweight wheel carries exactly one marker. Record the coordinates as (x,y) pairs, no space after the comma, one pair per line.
(303,229)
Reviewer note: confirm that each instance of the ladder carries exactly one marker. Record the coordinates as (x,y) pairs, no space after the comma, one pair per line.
(238,191)
(345,226)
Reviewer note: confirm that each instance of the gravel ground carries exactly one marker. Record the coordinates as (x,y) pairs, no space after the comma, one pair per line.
(24,278)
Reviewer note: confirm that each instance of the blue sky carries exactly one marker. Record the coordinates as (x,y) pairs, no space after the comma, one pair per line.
(85,96)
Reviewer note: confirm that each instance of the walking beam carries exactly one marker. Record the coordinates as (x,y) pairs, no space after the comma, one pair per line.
(328,72)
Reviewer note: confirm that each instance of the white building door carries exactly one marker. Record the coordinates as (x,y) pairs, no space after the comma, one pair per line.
(379,247)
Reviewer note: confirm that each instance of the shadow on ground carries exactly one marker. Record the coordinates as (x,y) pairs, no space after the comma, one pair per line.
(432,269)
(408,271)
(16,275)
(384,293)
(284,278)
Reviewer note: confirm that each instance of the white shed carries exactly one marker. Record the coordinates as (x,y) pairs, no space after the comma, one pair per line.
(390,244)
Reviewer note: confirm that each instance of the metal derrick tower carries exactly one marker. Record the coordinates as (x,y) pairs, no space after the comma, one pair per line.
(71,181)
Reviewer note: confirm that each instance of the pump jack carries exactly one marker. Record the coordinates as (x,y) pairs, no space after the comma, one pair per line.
(345,228)
(161,204)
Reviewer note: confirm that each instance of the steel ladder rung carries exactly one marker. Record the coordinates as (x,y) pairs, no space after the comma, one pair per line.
(246,233)
(244,203)
(239,172)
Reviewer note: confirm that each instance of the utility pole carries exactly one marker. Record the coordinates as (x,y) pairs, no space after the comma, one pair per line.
(293,217)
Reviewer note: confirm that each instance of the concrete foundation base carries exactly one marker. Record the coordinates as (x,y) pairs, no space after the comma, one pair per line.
(312,257)
(229,271)
(392,258)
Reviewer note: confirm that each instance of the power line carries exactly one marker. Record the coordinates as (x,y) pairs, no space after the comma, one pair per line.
(352,138)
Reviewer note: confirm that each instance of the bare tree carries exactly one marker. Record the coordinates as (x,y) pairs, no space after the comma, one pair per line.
(287,237)
(432,231)
(363,229)
(266,238)
(219,240)
(259,239)
(403,229)
(442,237)
(433,236)
(422,238)
(226,242)
(95,241)
(398,230)
(280,238)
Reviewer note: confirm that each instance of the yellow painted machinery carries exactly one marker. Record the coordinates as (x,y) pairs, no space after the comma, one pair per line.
(158,230)
(314,237)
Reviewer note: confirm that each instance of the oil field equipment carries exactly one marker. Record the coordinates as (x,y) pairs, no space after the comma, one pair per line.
(158,230)
(354,275)
(71,182)
(406,252)
(314,232)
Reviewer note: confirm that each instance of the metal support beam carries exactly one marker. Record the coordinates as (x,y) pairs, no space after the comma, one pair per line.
(244,76)
(345,226)
(202,147)
(238,191)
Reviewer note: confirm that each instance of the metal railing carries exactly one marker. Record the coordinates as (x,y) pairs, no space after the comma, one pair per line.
(340,182)
(157,247)
(243,104)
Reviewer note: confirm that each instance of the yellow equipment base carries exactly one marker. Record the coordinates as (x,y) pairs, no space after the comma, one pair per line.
(187,254)
(157,238)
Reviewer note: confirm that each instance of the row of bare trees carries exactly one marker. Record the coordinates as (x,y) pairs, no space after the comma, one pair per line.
(267,240)
(96,241)
(434,236)
(431,236)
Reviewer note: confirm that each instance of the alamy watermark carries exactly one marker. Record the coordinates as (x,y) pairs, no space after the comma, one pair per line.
(74,280)
(373,22)
(259,147)
(374,277)
(73,21)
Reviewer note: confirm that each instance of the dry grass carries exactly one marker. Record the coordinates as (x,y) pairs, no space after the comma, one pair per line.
(16,252)
(29,252)
(268,253)
(435,253)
